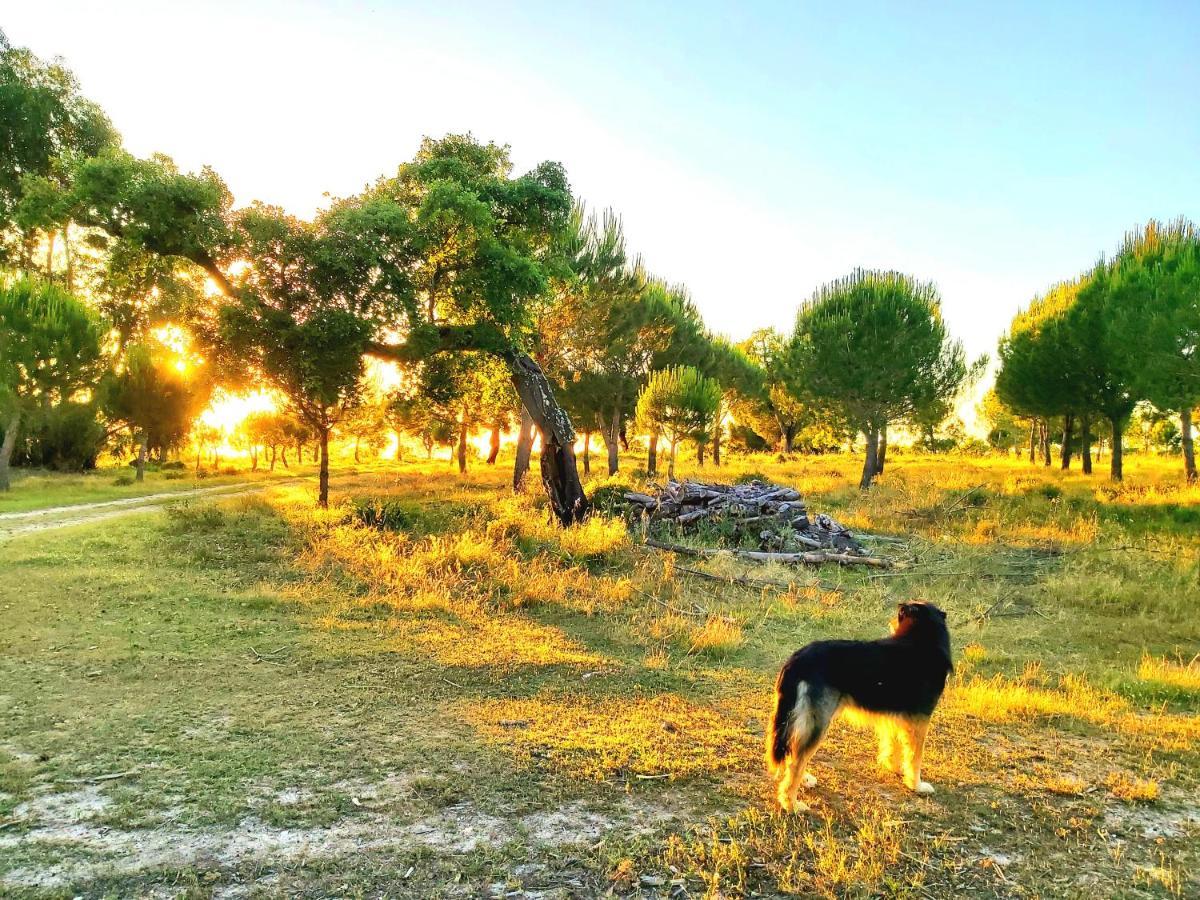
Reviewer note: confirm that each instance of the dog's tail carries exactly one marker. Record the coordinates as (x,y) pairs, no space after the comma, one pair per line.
(789,716)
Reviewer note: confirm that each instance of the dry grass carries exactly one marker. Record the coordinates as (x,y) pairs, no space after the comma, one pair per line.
(508,667)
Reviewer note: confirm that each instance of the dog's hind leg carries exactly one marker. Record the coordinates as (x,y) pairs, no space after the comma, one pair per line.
(912,738)
(812,721)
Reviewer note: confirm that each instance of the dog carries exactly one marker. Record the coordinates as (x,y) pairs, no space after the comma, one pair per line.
(892,685)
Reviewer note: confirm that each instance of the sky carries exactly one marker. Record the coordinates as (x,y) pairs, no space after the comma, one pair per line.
(753,150)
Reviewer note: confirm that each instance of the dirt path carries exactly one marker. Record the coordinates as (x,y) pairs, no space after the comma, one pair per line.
(14,524)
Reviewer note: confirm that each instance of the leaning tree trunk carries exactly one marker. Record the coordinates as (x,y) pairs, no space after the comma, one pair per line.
(524,449)
(1189,448)
(323,478)
(872,460)
(587,453)
(6,448)
(559,474)
(652,455)
(283,456)
(1068,436)
(881,453)
(1085,444)
(1117,458)
(141,458)
(494,446)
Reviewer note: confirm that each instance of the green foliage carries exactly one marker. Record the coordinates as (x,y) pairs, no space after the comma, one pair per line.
(680,404)
(153,398)
(44,124)
(66,437)
(873,346)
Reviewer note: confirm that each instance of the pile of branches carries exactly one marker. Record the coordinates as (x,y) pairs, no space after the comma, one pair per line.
(772,516)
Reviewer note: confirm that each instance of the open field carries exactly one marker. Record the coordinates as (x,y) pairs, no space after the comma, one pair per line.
(253,697)
(42,490)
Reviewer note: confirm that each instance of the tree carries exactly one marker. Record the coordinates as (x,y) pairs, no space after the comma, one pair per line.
(451,255)
(155,397)
(45,124)
(1156,302)
(680,404)
(49,351)
(873,347)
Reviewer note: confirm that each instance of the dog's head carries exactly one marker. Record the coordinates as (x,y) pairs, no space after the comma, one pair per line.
(923,621)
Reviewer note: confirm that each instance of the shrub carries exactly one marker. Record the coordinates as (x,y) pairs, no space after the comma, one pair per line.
(173,476)
(173,466)
(389,515)
(753,475)
(123,480)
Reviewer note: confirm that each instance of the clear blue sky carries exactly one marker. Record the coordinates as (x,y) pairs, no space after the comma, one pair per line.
(754,150)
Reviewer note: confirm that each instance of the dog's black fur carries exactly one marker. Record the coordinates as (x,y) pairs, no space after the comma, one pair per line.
(898,679)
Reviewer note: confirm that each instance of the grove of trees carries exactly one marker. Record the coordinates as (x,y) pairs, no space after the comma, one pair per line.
(505,304)
(1089,350)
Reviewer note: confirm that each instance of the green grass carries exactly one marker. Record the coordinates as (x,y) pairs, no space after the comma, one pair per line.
(459,699)
(35,489)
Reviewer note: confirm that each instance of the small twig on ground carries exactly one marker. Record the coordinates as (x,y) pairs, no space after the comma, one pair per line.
(758,582)
(652,777)
(700,612)
(269,656)
(96,779)
(453,683)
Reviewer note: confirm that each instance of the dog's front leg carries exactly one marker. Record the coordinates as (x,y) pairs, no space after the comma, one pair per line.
(912,737)
(885,731)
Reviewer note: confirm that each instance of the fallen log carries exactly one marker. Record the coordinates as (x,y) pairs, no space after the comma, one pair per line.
(808,557)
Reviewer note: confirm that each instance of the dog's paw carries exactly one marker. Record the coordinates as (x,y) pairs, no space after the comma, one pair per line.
(793,806)
(922,787)
(809,780)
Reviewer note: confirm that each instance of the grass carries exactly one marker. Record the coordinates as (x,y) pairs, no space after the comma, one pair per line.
(429,690)
(36,489)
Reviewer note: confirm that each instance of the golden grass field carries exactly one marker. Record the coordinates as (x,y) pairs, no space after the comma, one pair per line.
(253,697)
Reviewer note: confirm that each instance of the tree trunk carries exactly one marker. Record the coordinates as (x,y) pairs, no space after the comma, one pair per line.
(1045,442)
(283,456)
(872,461)
(559,474)
(524,449)
(881,453)
(671,462)
(141,459)
(700,453)
(587,453)
(253,459)
(612,441)
(6,448)
(494,446)
(462,444)
(789,436)
(1189,448)
(1068,436)
(1085,444)
(717,446)
(1033,426)
(357,440)
(1117,457)
(274,452)
(199,451)
(652,455)
(323,478)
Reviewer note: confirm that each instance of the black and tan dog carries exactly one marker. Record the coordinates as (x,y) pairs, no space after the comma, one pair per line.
(891,685)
